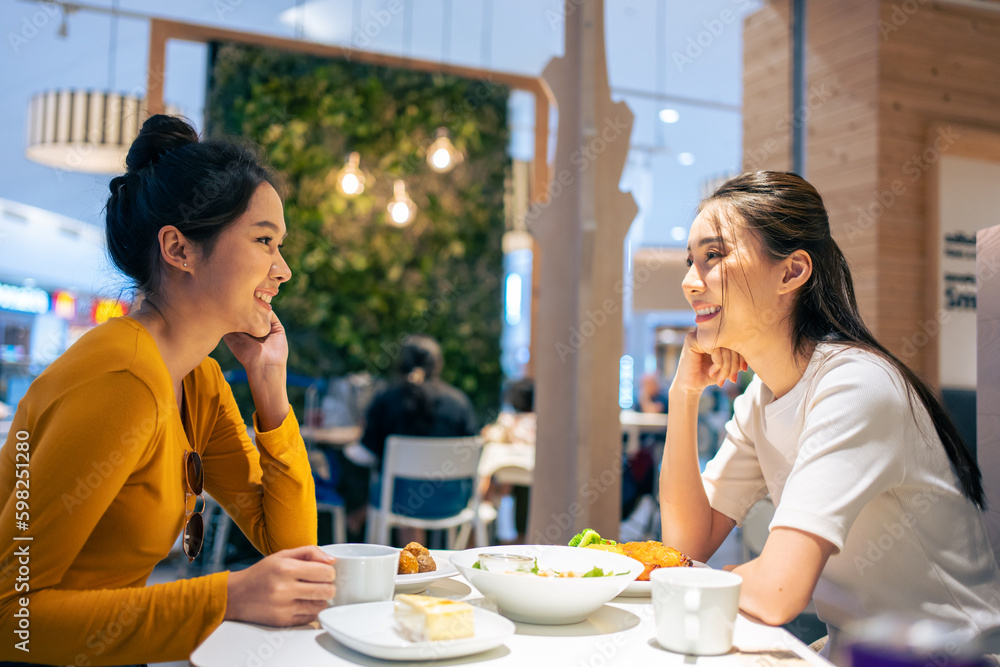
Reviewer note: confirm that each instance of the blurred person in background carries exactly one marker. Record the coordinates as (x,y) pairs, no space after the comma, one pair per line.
(417,402)
(515,426)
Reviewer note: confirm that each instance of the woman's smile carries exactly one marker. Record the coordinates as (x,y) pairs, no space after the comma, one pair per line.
(705,312)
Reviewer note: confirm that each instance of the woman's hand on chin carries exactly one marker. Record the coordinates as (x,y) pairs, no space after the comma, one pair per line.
(698,367)
(257,353)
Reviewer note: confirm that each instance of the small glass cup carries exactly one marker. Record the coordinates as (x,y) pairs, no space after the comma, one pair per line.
(506,563)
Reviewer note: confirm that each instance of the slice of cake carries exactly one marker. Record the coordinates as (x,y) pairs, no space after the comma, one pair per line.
(421,618)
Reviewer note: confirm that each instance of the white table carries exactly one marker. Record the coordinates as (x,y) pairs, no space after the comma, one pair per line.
(620,633)
(634,424)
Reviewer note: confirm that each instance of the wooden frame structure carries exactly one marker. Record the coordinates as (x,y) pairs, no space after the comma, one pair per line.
(162,31)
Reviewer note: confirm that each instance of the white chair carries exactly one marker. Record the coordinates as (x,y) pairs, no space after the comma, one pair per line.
(507,463)
(338,521)
(429,462)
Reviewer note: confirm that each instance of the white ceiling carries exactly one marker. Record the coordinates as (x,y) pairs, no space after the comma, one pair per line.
(661,53)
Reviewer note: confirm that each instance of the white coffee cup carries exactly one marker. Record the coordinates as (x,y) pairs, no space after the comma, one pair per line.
(365,572)
(695,609)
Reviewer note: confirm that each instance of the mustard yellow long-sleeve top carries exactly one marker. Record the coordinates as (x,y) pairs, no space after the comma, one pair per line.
(106,494)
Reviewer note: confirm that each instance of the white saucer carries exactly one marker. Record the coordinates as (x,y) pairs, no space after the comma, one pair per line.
(368,628)
(418,583)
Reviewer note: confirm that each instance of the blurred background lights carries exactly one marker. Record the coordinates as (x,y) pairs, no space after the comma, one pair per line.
(625,375)
(670,115)
(350,180)
(512,305)
(401,209)
(686,159)
(442,156)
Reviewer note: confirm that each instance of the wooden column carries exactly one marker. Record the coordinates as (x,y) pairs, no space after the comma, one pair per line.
(581,232)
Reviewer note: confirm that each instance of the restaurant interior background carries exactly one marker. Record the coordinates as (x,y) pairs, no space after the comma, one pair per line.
(892,109)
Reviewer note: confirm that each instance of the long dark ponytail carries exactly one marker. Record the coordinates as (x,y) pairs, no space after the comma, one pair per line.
(786,213)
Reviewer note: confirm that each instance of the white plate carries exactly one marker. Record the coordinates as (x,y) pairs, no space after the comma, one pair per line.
(644,589)
(418,583)
(368,628)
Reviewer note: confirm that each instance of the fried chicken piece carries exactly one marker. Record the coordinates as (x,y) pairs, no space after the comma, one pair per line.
(426,563)
(417,549)
(654,555)
(408,563)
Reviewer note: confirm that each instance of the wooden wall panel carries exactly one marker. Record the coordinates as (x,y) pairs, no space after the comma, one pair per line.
(842,132)
(767,92)
(937,69)
(882,83)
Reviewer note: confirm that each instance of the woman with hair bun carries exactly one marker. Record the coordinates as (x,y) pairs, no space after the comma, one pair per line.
(878,502)
(131,425)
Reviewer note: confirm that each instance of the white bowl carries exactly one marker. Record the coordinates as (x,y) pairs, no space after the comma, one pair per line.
(550,600)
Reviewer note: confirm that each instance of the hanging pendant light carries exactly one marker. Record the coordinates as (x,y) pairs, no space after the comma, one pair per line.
(83,130)
(401,209)
(350,180)
(442,156)
(86,130)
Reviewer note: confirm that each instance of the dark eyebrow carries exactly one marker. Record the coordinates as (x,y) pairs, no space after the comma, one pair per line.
(270,225)
(708,241)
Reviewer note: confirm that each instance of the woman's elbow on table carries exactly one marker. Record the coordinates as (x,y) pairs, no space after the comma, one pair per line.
(778,585)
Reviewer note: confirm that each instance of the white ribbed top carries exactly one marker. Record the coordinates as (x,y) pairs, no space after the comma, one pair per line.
(843,457)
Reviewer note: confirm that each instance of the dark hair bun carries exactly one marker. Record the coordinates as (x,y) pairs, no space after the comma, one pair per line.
(160,134)
(199,187)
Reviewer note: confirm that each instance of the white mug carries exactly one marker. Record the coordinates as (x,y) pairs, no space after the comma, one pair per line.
(365,572)
(695,609)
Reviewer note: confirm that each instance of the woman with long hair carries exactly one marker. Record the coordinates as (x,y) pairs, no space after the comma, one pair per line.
(875,493)
(125,431)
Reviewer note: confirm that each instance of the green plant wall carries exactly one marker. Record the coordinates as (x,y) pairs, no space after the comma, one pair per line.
(360,285)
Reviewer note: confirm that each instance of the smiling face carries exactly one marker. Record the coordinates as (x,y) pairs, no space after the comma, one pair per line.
(246,268)
(732,287)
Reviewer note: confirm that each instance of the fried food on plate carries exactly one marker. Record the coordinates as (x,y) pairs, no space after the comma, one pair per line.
(408,563)
(651,554)
(426,563)
(415,558)
(654,555)
(417,549)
